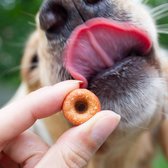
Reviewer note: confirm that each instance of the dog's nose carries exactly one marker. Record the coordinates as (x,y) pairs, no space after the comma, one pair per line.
(55,15)
(92,1)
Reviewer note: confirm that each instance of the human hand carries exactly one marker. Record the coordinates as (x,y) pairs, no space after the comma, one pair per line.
(74,148)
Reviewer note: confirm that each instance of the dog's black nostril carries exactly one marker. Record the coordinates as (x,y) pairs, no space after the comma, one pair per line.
(92,1)
(52,17)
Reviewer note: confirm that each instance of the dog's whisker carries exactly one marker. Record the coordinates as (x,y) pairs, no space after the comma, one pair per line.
(145,1)
(28,66)
(32,23)
(28,14)
(162,26)
(17,68)
(161,16)
(159,10)
(163,31)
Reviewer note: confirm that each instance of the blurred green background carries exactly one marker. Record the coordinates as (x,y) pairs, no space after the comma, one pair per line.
(17,21)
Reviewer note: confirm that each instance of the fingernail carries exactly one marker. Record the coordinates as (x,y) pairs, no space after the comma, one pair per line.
(69,82)
(104,126)
(72,81)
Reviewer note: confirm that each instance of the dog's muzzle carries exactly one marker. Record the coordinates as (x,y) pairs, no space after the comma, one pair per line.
(100,46)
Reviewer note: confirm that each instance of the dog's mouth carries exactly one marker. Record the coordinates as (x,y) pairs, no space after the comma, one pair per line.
(116,61)
(100,44)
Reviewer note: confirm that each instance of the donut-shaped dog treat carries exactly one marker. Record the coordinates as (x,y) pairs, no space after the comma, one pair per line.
(80,105)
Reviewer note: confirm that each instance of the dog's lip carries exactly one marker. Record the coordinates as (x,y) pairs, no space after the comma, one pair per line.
(80,58)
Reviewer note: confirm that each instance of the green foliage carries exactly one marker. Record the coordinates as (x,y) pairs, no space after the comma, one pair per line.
(160,161)
(17,21)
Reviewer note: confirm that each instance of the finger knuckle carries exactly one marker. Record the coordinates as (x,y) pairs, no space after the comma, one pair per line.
(73,158)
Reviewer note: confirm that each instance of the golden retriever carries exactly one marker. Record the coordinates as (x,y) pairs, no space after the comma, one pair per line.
(112,46)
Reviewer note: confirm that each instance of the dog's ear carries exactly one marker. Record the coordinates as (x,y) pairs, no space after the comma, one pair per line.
(163,136)
(29,65)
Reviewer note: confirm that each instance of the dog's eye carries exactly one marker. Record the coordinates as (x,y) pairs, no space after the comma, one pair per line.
(92,1)
(34,62)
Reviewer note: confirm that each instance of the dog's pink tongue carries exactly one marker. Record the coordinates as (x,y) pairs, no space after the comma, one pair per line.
(98,44)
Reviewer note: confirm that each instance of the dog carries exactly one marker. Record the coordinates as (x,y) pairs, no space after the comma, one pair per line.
(112,46)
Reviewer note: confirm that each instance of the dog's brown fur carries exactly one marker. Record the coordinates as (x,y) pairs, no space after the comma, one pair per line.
(137,148)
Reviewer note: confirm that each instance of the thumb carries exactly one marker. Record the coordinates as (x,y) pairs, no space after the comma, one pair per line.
(75,147)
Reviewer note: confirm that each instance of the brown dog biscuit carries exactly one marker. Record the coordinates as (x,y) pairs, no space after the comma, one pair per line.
(80,105)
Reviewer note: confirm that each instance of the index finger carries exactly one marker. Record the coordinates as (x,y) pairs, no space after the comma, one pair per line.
(19,116)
